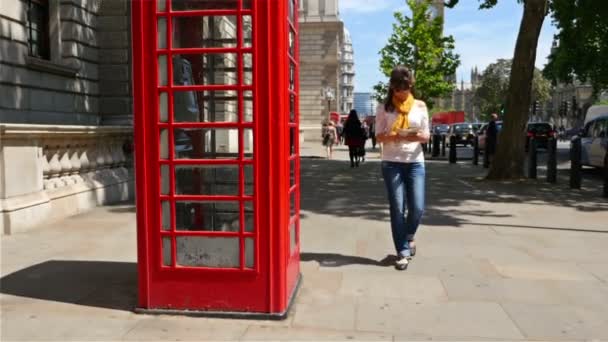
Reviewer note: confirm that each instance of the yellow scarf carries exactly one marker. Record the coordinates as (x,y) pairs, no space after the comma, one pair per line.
(403,109)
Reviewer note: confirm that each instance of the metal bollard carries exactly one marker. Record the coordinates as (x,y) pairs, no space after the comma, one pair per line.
(532,162)
(443,145)
(552,161)
(575,164)
(452,156)
(476,151)
(436,140)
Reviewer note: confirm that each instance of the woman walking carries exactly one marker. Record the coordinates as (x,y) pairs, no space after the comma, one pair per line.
(402,125)
(354,137)
(330,137)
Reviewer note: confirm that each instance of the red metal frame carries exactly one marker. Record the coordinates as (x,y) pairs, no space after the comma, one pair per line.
(268,286)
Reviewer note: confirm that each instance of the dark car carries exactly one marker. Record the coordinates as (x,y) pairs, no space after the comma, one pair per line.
(541,132)
(476,127)
(463,132)
(441,129)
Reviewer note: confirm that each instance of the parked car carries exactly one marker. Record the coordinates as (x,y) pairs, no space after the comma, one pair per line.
(594,142)
(463,132)
(476,127)
(541,132)
(441,129)
(482,134)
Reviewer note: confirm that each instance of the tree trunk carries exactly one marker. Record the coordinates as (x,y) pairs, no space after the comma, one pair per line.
(508,163)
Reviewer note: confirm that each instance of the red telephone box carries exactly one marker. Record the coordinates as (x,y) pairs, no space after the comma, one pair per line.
(217,164)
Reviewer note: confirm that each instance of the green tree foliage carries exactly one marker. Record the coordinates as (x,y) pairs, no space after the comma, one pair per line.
(492,93)
(417,43)
(582,37)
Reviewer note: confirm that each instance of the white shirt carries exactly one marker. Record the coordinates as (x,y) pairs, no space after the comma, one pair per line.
(400,151)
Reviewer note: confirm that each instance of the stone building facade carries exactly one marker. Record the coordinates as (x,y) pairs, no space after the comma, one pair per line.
(347,74)
(463,98)
(321,34)
(65,108)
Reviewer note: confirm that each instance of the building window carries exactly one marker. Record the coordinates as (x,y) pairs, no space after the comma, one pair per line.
(38,28)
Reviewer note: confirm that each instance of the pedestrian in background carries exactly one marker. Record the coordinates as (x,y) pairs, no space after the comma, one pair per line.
(491,137)
(354,138)
(340,131)
(330,137)
(402,125)
(372,133)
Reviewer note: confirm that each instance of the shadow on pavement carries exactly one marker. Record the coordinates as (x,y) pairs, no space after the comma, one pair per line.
(337,260)
(331,187)
(498,226)
(104,284)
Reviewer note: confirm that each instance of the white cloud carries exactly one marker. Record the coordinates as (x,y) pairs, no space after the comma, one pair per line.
(365,6)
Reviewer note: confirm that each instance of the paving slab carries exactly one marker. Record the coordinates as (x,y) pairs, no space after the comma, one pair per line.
(338,313)
(453,319)
(163,328)
(558,322)
(266,333)
(503,290)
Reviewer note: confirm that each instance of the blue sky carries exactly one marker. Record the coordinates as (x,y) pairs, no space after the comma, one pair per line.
(482,36)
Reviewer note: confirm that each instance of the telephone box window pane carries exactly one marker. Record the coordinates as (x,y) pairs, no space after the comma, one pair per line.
(166,251)
(164,176)
(292,173)
(291,8)
(207,180)
(205,106)
(162,33)
(164,144)
(247,4)
(292,76)
(292,108)
(163,107)
(204,32)
(249,252)
(292,43)
(165,207)
(293,237)
(292,203)
(248,170)
(192,5)
(162,70)
(203,251)
(247,31)
(247,69)
(206,143)
(205,69)
(161,5)
(248,141)
(248,106)
(207,216)
(249,219)
(292,141)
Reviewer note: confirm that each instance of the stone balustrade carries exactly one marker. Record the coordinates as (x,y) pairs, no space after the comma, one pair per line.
(43,163)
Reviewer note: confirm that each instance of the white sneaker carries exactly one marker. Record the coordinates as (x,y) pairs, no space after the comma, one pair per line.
(401,263)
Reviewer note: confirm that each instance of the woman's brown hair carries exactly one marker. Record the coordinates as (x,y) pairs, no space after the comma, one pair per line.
(401,78)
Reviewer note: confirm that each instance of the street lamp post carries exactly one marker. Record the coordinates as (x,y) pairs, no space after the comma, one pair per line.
(328,94)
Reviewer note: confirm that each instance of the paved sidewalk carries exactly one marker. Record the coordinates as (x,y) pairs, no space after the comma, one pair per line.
(496,261)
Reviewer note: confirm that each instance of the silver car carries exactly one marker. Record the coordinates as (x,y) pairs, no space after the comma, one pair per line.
(594,142)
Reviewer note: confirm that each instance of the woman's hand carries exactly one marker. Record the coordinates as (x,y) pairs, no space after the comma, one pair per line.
(420,136)
(384,138)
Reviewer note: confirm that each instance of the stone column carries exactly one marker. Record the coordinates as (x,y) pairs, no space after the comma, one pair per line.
(331,8)
(313,10)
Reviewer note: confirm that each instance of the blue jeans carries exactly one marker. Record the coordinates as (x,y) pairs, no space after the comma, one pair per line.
(405,187)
